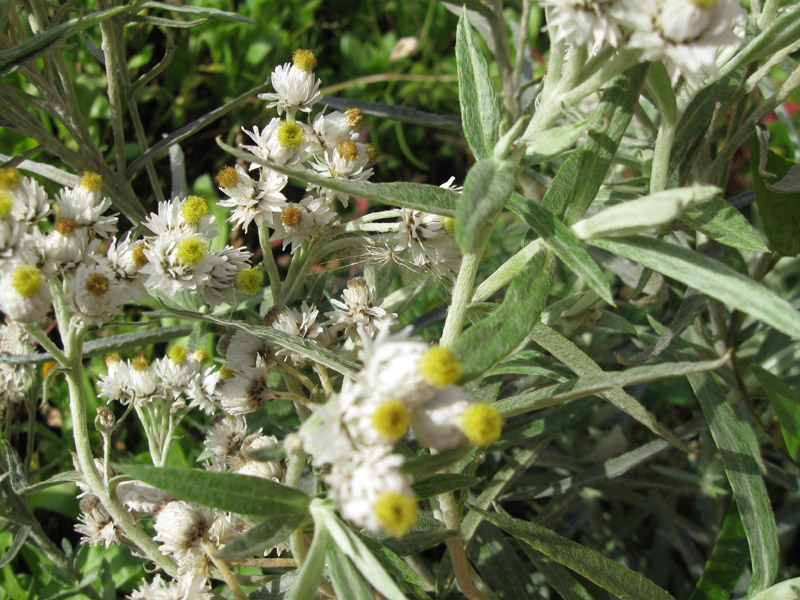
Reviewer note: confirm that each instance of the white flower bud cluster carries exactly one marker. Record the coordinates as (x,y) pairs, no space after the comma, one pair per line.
(686,34)
(15,380)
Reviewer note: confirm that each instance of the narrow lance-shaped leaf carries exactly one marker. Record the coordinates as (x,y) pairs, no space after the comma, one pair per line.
(480,113)
(241,494)
(488,185)
(417,196)
(307,585)
(744,474)
(708,276)
(785,402)
(621,581)
(495,337)
(347,581)
(271,531)
(563,242)
(722,222)
(201,11)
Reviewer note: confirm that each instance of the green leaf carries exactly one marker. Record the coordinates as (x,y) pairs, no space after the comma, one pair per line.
(294,343)
(720,221)
(480,113)
(708,276)
(347,581)
(785,590)
(21,533)
(417,196)
(542,146)
(498,564)
(354,548)
(307,585)
(785,402)
(441,483)
(659,90)
(271,531)
(201,11)
(426,533)
(420,467)
(113,343)
(600,382)
(13,57)
(608,574)
(393,564)
(241,494)
(395,113)
(730,434)
(5,9)
(484,344)
(557,576)
(488,185)
(727,561)
(779,211)
(563,242)
(582,365)
(577,182)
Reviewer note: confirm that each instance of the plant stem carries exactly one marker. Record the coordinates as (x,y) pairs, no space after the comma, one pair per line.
(521,51)
(223,569)
(502,54)
(455,544)
(661,155)
(508,270)
(269,262)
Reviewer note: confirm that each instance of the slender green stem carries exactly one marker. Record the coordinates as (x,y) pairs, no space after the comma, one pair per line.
(455,545)
(113,65)
(503,57)
(462,291)
(294,277)
(661,154)
(521,51)
(508,270)
(768,13)
(46,343)
(269,262)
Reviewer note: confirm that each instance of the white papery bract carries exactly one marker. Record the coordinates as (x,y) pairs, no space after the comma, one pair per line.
(430,240)
(347,161)
(358,308)
(266,469)
(303,324)
(300,221)
(587,23)
(24,292)
(15,379)
(95,523)
(202,391)
(172,270)
(170,218)
(247,391)
(221,285)
(686,34)
(252,200)
(295,89)
(267,146)
(436,423)
(31,203)
(324,435)
(85,207)
(329,130)
(95,292)
(244,349)
(184,588)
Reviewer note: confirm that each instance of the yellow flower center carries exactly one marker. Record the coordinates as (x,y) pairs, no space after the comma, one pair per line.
(449,224)
(227,177)
(396,512)
(440,367)
(354,116)
(372,152)
(304,60)
(200,355)
(290,134)
(113,359)
(9,178)
(191,251)
(226,373)
(139,363)
(481,423)
(348,150)
(91,182)
(177,354)
(291,216)
(97,285)
(27,281)
(138,256)
(66,226)
(250,281)
(391,419)
(6,202)
(193,209)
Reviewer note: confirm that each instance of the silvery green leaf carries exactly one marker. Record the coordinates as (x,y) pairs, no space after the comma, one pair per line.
(546,145)
(785,590)
(727,561)
(722,222)
(307,585)
(488,185)
(641,214)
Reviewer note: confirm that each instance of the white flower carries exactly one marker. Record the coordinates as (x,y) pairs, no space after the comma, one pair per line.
(24,293)
(202,391)
(176,371)
(429,238)
(126,258)
(220,287)
(15,380)
(243,350)
(185,588)
(67,244)
(329,130)
(347,161)
(247,391)
(177,262)
(95,293)
(268,146)
(324,436)
(267,469)
(436,423)
(372,419)
(225,436)
(583,23)
(85,207)
(300,221)
(31,203)
(252,200)
(358,485)
(140,496)
(142,381)
(358,308)
(181,527)
(96,524)
(302,323)
(185,215)
(685,33)
(295,89)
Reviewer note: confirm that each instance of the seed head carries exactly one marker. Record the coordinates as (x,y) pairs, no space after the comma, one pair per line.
(348,150)
(65,226)
(354,116)
(138,256)
(291,216)
(97,285)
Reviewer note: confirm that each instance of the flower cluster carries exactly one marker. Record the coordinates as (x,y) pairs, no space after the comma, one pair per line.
(686,34)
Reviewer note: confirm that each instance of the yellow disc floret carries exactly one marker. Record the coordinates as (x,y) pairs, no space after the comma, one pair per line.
(290,134)
(396,512)
(391,419)
(440,367)
(91,182)
(481,423)
(97,285)
(291,216)
(348,150)
(449,224)
(27,280)
(304,60)
(227,177)
(66,226)
(6,202)
(139,363)
(113,359)
(191,251)
(200,355)
(226,373)
(9,178)
(354,116)
(193,209)
(138,256)
(250,281)
(177,354)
